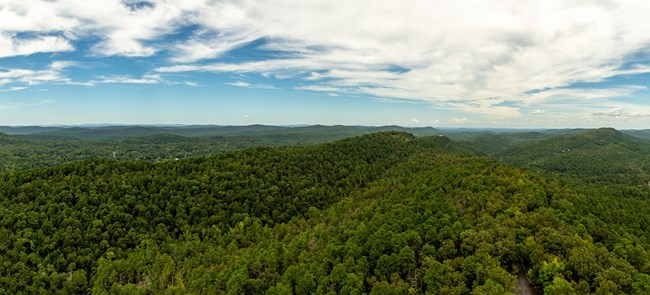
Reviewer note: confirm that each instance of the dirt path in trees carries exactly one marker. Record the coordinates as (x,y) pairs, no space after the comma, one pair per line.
(524,287)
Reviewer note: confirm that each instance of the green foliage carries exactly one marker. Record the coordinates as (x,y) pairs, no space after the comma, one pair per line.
(559,286)
(36,147)
(602,156)
(549,271)
(386,213)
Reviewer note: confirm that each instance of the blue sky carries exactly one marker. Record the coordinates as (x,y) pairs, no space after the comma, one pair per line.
(549,64)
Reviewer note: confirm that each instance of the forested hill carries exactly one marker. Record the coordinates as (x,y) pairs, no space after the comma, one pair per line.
(119,132)
(5,138)
(594,156)
(385,213)
(35,147)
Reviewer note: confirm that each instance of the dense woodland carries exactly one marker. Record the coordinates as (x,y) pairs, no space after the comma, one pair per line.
(36,147)
(384,213)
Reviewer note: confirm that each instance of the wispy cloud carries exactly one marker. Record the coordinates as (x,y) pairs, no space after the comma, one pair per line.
(615,112)
(208,44)
(13,106)
(501,49)
(146,79)
(14,88)
(579,94)
(186,83)
(12,46)
(319,88)
(55,73)
(621,113)
(493,58)
(251,86)
(30,77)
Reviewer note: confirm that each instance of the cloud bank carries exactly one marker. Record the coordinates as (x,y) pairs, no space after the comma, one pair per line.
(484,57)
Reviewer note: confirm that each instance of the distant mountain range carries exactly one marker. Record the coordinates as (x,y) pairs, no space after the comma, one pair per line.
(110,132)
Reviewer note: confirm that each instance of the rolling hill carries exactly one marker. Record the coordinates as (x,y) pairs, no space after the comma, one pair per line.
(385,213)
(601,156)
(120,132)
(161,143)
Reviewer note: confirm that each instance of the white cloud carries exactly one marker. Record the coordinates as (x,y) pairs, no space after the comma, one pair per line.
(644,114)
(240,84)
(123,28)
(205,44)
(615,112)
(471,56)
(539,112)
(29,77)
(14,88)
(55,74)
(186,83)
(415,121)
(127,80)
(251,86)
(446,51)
(58,65)
(12,46)
(485,109)
(462,120)
(318,88)
(621,113)
(575,95)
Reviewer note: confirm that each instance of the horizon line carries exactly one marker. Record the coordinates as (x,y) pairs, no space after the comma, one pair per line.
(300,125)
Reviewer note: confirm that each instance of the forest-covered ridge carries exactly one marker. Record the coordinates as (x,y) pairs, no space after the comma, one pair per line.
(585,155)
(605,156)
(385,213)
(117,132)
(34,148)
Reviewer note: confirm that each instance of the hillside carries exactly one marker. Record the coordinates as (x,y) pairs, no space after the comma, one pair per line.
(162,143)
(385,213)
(8,139)
(645,133)
(592,156)
(96,133)
(24,130)
(487,143)
(119,132)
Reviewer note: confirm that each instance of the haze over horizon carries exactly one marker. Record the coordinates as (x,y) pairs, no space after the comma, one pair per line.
(502,64)
(298,125)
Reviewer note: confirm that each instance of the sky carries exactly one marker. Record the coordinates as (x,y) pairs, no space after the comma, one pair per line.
(461,63)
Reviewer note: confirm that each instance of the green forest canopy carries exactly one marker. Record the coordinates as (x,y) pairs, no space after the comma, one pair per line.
(385,213)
